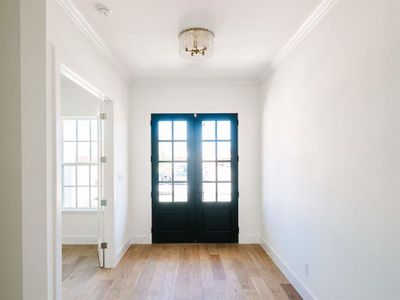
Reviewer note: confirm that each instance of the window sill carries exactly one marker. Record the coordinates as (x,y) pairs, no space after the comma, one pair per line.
(80,211)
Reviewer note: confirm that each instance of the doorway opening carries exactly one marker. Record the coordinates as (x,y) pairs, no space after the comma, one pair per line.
(194,178)
(85,167)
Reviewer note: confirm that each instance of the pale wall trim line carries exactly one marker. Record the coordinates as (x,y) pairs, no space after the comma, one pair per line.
(79,240)
(316,16)
(121,252)
(79,20)
(288,272)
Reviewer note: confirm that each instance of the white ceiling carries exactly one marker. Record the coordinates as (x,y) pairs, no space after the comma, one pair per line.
(143,34)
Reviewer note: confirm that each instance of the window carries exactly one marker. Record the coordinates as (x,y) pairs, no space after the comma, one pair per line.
(80,163)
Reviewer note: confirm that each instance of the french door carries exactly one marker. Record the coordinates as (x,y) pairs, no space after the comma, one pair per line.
(194,178)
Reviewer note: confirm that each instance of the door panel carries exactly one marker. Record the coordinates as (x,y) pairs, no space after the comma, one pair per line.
(172,170)
(194,178)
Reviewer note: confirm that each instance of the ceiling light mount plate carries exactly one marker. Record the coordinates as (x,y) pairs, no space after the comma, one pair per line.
(196,43)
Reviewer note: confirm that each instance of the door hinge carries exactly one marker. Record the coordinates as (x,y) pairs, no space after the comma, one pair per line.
(103,245)
(103,202)
(238,230)
(103,159)
(238,158)
(103,116)
(238,194)
(151,230)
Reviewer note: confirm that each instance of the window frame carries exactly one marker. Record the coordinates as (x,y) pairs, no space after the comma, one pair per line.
(90,164)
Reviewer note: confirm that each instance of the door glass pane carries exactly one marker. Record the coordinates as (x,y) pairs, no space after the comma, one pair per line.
(94,176)
(83,175)
(69,197)
(224,130)
(94,196)
(69,175)
(208,130)
(180,192)
(209,171)
(94,152)
(165,192)
(180,130)
(69,152)
(180,151)
(83,152)
(209,192)
(164,151)
(208,150)
(83,130)
(165,171)
(224,192)
(83,197)
(165,130)
(69,130)
(93,130)
(224,150)
(224,171)
(180,171)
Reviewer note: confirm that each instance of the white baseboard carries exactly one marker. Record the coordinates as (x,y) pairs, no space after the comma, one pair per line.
(121,252)
(79,240)
(141,239)
(249,239)
(290,275)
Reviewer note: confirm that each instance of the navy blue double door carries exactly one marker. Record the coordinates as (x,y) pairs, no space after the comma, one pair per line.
(194,178)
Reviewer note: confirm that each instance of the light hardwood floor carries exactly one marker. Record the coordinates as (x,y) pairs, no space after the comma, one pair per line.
(176,271)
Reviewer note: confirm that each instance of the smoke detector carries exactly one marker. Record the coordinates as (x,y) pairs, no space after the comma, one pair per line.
(103,10)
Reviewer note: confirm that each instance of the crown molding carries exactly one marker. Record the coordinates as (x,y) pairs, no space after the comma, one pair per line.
(316,16)
(79,20)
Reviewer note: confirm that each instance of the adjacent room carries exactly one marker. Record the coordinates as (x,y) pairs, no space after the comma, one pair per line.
(187,149)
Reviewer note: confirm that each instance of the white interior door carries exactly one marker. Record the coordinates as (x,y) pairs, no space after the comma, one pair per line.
(105,182)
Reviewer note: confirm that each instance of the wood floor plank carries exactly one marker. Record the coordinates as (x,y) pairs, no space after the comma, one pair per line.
(176,271)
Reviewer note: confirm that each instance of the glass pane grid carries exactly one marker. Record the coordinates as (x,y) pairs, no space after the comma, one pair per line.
(172,161)
(80,155)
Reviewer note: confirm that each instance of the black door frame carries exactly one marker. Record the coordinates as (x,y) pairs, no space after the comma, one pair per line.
(195,210)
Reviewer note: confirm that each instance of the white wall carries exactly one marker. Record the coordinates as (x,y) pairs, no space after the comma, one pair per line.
(75,51)
(156,97)
(331,146)
(78,227)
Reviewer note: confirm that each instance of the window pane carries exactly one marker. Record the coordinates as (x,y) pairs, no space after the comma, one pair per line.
(165,171)
(94,152)
(208,130)
(224,130)
(165,130)
(209,171)
(94,196)
(180,172)
(69,197)
(180,130)
(208,150)
(180,151)
(94,176)
(69,152)
(69,175)
(180,192)
(83,197)
(83,130)
(69,130)
(83,152)
(165,192)
(164,151)
(224,150)
(224,192)
(209,192)
(93,130)
(83,175)
(224,171)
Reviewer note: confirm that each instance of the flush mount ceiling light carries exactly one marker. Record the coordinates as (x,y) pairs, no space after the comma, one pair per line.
(103,10)
(196,43)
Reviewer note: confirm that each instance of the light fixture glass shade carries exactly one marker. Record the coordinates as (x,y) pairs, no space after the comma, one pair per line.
(196,43)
